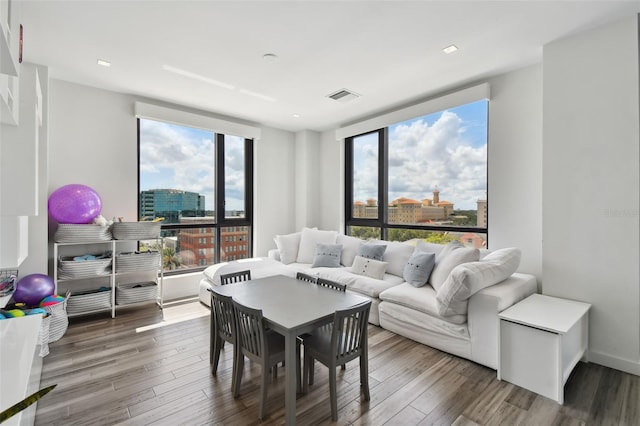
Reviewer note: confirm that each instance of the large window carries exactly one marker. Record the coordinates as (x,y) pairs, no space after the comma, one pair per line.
(198,184)
(424,178)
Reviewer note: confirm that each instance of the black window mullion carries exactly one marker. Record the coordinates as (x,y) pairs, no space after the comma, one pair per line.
(383,181)
(220,193)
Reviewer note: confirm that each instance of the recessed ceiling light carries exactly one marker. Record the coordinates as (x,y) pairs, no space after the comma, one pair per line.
(270,57)
(104,63)
(450,49)
(296,115)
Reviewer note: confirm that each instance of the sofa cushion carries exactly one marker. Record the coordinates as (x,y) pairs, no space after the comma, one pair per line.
(450,257)
(350,247)
(367,286)
(397,255)
(429,247)
(308,241)
(288,247)
(422,299)
(468,278)
(327,255)
(418,268)
(369,267)
(372,250)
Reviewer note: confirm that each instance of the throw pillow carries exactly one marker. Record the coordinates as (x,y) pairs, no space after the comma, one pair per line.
(418,268)
(369,267)
(372,250)
(308,241)
(450,257)
(288,247)
(467,279)
(396,255)
(350,247)
(327,255)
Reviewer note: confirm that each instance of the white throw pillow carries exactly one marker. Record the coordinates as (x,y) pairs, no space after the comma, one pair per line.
(350,247)
(369,267)
(467,279)
(327,255)
(397,255)
(308,241)
(288,247)
(450,257)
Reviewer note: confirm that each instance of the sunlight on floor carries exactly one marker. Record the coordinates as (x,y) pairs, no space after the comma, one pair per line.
(178,313)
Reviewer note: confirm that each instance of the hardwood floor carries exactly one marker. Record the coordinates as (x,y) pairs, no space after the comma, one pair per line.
(138,370)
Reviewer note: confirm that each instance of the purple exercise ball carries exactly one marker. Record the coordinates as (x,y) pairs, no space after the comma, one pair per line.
(31,289)
(74,203)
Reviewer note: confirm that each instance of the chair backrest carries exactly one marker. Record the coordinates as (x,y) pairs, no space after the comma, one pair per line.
(349,335)
(235,277)
(251,331)
(306,277)
(223,315)
(331,284)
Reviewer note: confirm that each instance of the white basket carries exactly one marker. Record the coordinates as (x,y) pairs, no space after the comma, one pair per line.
(86,302)
(136,292)
(59,321)
(134,262)
(136,230)
(70,269)
(72,233)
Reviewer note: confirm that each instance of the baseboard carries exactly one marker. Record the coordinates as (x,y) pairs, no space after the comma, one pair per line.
(626,365)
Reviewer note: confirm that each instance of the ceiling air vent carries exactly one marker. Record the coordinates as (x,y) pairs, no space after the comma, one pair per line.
(343,95)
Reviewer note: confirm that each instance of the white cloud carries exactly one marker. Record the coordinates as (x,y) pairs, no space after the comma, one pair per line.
(422,157)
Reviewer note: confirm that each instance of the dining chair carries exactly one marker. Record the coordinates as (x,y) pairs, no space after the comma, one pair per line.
(260,345)
(306,277)
(332,284)
(345,341)
(223,328)
(235,277)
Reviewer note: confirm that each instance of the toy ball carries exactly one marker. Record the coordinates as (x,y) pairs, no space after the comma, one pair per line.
(74,203)
(14,313)
(2,316)
(54,299)
(31,289)
(37,311)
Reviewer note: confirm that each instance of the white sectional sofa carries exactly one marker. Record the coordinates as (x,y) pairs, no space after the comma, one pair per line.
(455,310)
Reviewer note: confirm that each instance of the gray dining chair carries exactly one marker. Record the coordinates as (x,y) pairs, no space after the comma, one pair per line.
(223,328)
(306,277)
(332,284)
(345,341)
(260,345)
(235,277)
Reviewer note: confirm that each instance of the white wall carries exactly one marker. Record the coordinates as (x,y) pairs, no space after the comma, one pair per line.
(332,182)
(273,188)
(515,165)
(591,184)
(307,174)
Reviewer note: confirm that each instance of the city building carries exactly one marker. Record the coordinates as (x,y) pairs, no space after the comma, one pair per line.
(171,204)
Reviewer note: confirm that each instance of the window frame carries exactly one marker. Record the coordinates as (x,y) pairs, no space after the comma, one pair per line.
(220,221)
(381,221)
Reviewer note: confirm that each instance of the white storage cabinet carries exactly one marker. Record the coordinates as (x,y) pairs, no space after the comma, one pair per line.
(127,277)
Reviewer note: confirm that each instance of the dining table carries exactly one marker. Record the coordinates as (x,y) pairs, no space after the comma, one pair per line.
(291,307)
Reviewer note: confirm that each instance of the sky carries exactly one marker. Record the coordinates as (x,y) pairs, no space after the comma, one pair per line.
(180,157)
(447,150)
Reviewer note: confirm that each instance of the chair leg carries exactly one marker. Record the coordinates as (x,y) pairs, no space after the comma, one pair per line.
(212,333)
(364,376)
(332,393)
(238,380)
(312,368)
(344,366)
(215,353)
(298,374)
(263,390)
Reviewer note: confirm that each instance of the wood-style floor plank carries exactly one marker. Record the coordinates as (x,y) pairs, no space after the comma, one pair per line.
(147,367)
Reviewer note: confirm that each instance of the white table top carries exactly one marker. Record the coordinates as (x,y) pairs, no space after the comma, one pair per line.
(546,313)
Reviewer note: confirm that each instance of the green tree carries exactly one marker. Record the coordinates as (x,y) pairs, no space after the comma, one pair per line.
(170,259)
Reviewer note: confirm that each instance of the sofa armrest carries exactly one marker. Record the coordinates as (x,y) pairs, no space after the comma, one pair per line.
(274,254)
(484,307)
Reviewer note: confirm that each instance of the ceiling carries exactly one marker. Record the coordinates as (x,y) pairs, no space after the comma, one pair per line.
(209,54)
